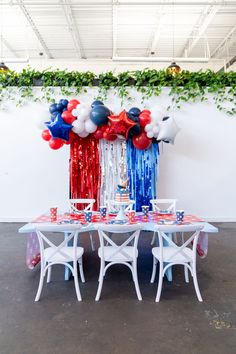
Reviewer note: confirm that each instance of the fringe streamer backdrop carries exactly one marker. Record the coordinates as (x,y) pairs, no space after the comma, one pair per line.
(142,173)
(84,169)
(113,165)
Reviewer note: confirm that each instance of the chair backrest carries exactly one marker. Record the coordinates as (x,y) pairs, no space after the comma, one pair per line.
(73,204)
(72,231)
(163,234)
(113,208)
(118,250)
(167,204)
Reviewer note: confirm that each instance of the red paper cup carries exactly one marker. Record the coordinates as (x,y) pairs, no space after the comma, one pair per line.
(131,215)
(53,214)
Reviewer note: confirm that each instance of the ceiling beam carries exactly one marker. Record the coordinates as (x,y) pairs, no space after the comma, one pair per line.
(228,64)
(204,20)
(223,42)
(34,28)
(156,34)
(9,47)
(72,27)
(128,3)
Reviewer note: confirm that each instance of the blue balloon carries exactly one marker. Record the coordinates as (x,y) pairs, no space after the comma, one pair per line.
(132,117)
(135,130)
(97,103)
(165,118)
(59,129)
(53,108)
(64,102)
(64,109)
(135,111)
(99,115)
(53,116)
(60,107)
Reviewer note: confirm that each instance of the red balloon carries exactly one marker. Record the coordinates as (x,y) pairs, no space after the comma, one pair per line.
(72,105)
(141,141)
(46,135)
(67,117)
(98,134)
(109,137)
(146,111)
(56,143)
(144,118)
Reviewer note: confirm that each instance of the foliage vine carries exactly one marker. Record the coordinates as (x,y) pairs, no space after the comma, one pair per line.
(184,87)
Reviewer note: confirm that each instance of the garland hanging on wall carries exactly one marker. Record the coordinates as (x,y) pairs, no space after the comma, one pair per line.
(72,118)
(184,86)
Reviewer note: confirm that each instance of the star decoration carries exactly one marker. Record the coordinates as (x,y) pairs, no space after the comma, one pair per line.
(59,129)
(120,124)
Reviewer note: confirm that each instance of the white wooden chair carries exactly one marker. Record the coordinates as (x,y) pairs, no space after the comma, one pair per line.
(112,208)
(173,254)
(52,253)
(111,253)
(163,204)
(73,209)
(167,204)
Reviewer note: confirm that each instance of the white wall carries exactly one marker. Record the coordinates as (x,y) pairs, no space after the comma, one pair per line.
(199,170)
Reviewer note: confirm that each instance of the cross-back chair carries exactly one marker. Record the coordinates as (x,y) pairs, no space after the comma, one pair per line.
(111,253)
(59,253)
(173,254)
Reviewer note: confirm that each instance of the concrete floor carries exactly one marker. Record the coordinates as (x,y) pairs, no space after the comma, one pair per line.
(119,323)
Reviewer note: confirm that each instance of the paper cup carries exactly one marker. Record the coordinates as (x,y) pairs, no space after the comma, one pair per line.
(103,211)
(179,215)
(145,210)
(53,214)
(88,215)
(131,216)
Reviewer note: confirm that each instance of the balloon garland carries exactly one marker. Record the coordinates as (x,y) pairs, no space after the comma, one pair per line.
(69,118)
(106,148)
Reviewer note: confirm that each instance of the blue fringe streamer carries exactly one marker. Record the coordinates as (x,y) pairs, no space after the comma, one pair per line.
(142,173)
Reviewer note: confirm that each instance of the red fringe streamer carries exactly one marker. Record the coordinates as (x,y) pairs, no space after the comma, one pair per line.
(84,169)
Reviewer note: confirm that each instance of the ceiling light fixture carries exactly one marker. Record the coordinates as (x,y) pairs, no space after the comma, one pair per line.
(3,68)
(173,68)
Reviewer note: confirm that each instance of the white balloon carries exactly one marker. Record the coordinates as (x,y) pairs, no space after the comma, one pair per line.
(90,127)
(74,112)
(150,134)
(80,118)
(155,129)
(83,134)
(78,127)
(168,130)
(148,127)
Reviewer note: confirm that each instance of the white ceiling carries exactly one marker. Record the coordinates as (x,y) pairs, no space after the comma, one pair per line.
(121,30)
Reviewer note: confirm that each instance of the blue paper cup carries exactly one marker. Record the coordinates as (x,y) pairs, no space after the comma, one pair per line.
(179,215)
(88,215)
(103,211)
(145,210)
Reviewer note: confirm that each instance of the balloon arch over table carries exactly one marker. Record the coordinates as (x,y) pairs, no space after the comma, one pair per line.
(107,148)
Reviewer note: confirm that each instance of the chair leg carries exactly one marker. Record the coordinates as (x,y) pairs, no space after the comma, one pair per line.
(100,281)
(49,275)
(154,269)
(186,277)
(81,270)
(76,282)
(195,282)
(40,284)
(92,241)
(153,239)
(160,281)
(135,278)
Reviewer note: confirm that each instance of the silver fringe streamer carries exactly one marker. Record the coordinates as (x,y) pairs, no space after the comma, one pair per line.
(113,163)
